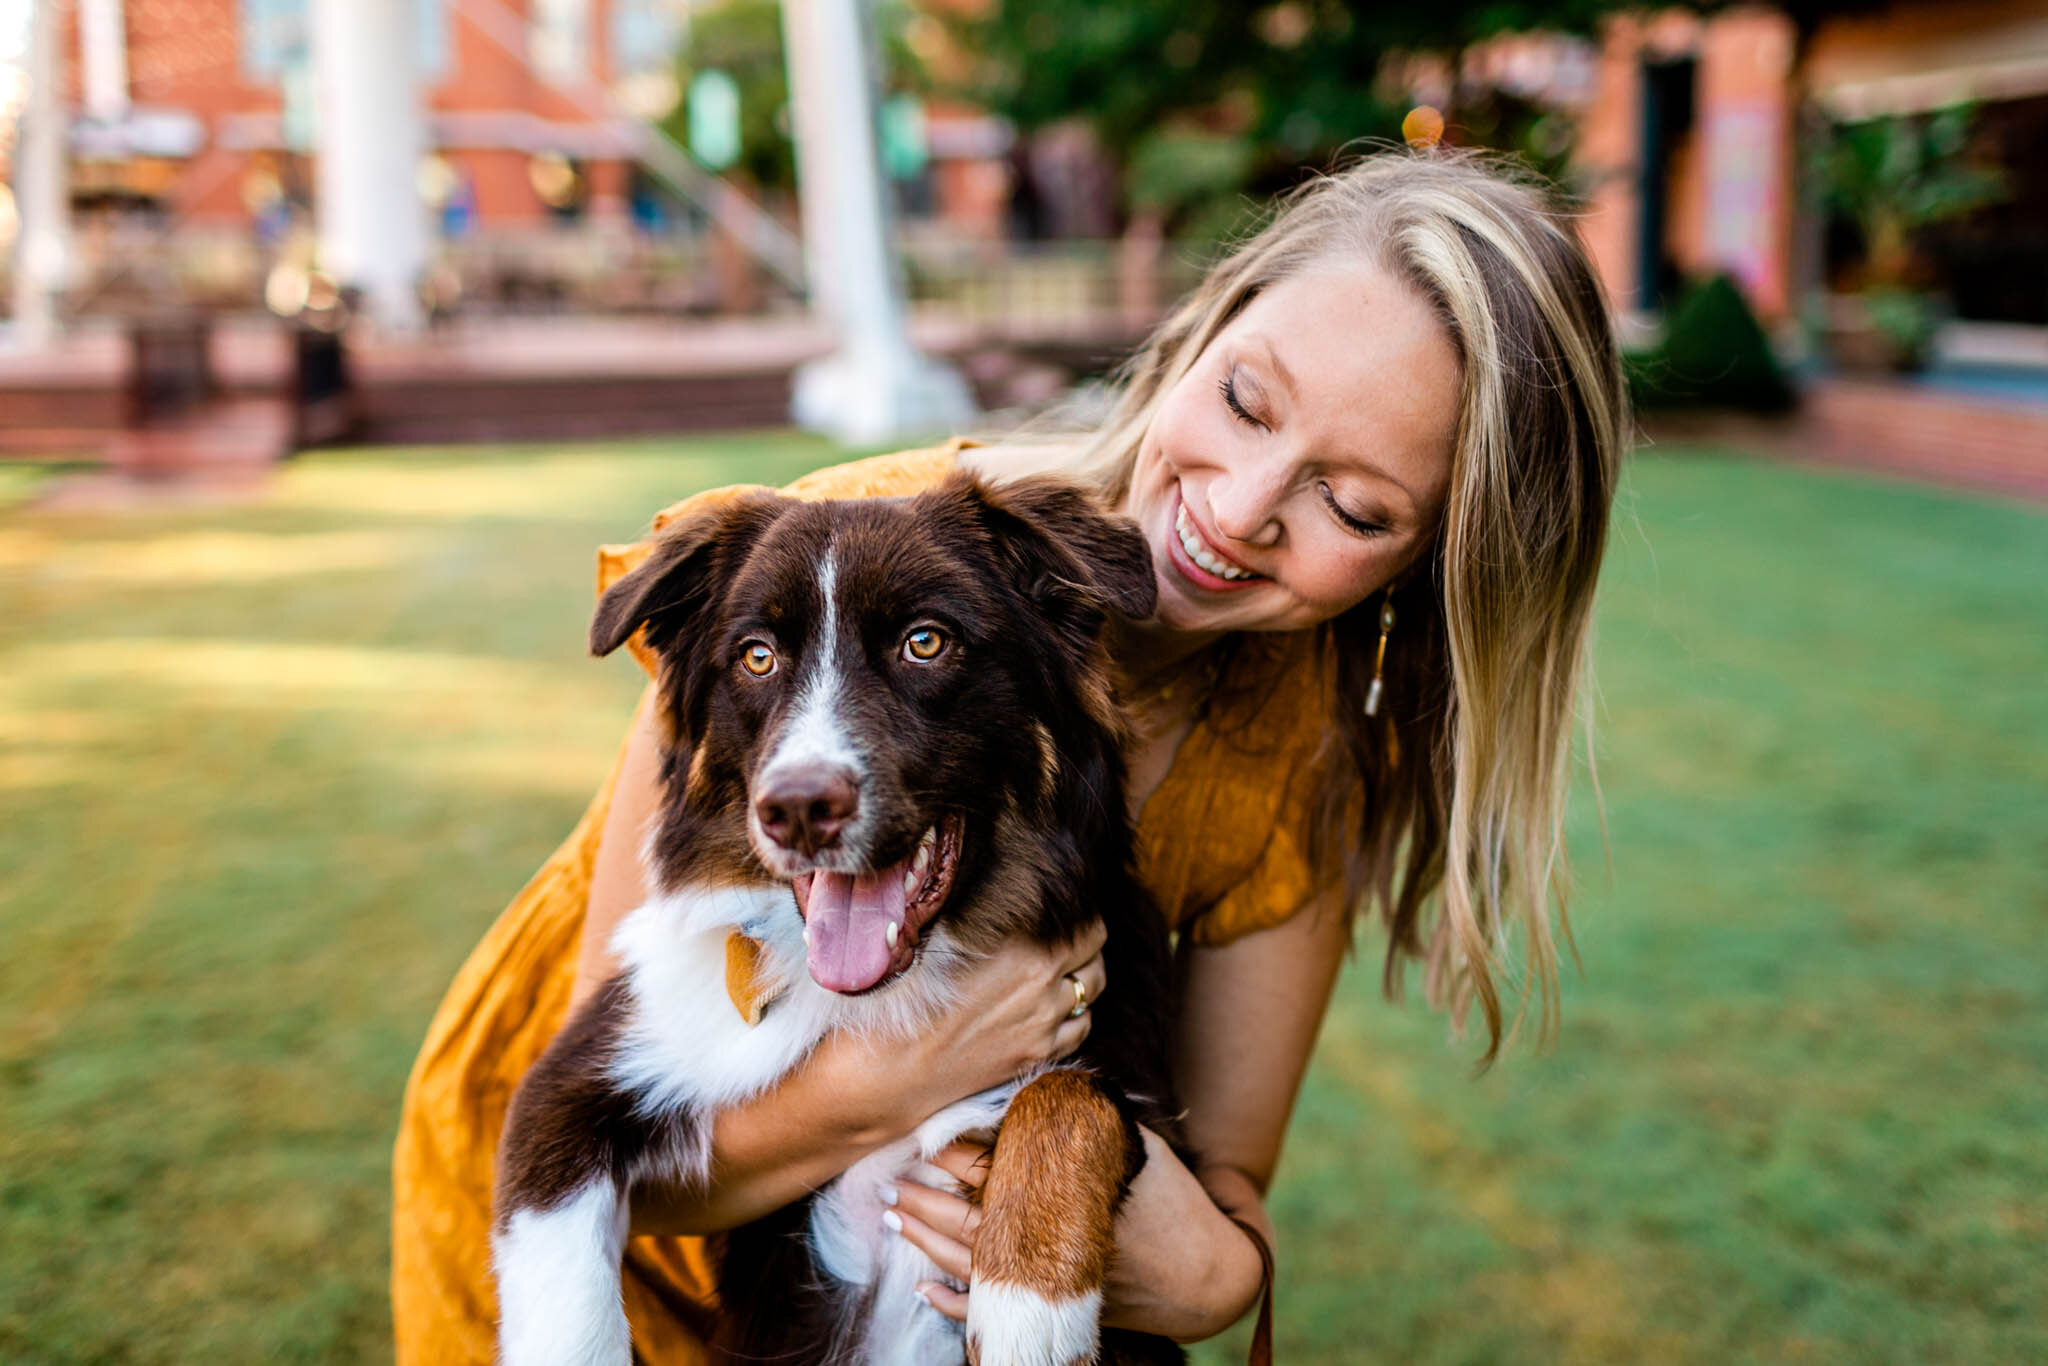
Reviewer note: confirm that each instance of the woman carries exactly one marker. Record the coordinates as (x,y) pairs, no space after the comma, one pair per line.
(1373,456)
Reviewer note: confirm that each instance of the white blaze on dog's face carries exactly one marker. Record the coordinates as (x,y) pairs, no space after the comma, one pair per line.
(807,819)
(865,689)
(810,752)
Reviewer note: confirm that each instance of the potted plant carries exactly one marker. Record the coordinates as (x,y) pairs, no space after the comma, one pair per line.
(1891,176)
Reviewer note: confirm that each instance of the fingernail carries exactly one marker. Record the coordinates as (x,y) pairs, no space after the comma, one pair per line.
(892,1221)
(924,1291)
(888,1195)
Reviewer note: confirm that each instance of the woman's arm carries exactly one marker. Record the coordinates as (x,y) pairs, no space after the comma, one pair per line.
(1249,1015)
(849,1097)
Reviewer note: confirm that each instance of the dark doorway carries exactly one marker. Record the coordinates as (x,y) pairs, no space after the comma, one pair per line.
(1667,145)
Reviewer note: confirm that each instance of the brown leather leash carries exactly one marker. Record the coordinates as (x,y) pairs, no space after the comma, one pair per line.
(1261,1353)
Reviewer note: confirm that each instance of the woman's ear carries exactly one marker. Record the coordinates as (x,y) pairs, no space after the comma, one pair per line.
(673,588)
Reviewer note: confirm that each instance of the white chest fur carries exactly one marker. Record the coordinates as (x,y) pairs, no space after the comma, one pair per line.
(684,1041)
(684,1045)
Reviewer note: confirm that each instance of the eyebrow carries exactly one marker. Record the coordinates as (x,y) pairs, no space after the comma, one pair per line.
(1286,376)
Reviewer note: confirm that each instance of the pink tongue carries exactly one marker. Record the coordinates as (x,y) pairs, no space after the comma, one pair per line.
(849,919)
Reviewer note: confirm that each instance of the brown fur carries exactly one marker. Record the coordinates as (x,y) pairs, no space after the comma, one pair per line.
(1061,1164)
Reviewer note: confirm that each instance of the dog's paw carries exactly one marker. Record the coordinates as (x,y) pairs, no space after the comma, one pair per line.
(1010,1325)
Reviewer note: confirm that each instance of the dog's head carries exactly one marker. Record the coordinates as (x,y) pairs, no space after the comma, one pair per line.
(862,694)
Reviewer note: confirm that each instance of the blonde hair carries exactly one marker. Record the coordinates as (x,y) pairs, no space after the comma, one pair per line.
(1465,775)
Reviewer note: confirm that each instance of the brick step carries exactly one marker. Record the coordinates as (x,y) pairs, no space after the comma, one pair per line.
(223,436)
(80,408)
(567,427)
(453,410)
(53,443)
(1925,433)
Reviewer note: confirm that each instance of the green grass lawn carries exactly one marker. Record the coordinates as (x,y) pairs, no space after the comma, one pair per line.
(267,772)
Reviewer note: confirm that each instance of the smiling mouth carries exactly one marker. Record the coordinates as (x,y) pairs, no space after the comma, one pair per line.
(861,930)
(1195,548)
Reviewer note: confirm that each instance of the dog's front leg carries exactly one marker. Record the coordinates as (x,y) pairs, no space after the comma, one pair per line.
(573,1141)
(558,1281)
(1065,1157)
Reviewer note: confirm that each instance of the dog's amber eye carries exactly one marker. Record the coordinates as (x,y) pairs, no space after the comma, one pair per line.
(757,659)
(924,644)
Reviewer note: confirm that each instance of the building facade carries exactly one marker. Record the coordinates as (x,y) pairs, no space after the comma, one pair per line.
(204,108)
(1696,147)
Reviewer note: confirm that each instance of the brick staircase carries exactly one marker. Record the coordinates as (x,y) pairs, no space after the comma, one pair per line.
(426,408)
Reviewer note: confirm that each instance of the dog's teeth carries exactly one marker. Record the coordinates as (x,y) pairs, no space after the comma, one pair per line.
(923,859)
(910,884)
(892,932)
(807,936)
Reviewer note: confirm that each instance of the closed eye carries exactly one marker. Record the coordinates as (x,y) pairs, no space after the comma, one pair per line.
(1357,525)
(1227,386)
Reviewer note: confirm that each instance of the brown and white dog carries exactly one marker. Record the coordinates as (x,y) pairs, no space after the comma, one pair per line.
(894,744)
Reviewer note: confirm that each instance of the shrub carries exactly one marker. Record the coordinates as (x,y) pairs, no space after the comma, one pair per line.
(1714,355)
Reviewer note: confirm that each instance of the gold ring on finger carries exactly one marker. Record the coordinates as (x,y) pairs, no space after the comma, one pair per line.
(1080,997)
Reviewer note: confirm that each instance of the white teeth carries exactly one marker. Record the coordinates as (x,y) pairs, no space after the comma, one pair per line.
(807,936)
(910,884)
(922,860)
(892,932)
(1191,541)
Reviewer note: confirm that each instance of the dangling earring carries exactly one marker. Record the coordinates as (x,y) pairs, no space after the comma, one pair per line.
(1379,662)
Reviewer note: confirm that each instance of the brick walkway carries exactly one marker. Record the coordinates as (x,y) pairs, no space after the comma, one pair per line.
(1973,441)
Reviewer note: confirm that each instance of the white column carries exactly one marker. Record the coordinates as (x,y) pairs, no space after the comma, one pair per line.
(42,246)
(369,135)
(103,57)
(875,387)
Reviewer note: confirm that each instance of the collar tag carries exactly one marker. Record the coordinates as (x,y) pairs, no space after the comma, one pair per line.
(743,977)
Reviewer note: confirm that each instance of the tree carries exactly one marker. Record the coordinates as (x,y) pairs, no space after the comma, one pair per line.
(743,39)
(1196,98)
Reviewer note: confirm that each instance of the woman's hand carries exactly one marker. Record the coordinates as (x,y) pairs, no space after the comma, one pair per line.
(1182,1269)
(1013,1010)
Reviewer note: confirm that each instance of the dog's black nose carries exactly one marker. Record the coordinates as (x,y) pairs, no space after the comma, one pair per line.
(806,809)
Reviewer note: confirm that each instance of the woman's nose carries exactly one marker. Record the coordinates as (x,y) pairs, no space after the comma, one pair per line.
(1246,506)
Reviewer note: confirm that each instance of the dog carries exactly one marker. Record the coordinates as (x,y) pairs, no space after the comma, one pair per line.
(894,743)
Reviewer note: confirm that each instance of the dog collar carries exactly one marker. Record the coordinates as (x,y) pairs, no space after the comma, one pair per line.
(743,977)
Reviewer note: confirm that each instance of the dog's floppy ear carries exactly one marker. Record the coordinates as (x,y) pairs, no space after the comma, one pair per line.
(682,574)
(1065,551)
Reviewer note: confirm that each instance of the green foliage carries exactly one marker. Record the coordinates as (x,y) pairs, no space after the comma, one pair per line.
(1895,174)
(1283,84)
(1905,318)
(1193,179)
(743,38)
(1714,355)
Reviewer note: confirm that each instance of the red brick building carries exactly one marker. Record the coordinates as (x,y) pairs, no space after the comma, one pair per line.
(219,107)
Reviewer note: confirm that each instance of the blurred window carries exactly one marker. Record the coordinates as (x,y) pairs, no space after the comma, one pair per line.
(644,37)
(277,34)
(274,34)
(431,16)
(558,40)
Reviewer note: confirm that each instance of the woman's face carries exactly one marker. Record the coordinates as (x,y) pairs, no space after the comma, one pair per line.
(1303,461)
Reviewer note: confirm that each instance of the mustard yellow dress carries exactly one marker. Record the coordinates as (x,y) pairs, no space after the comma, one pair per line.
(1220,844)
